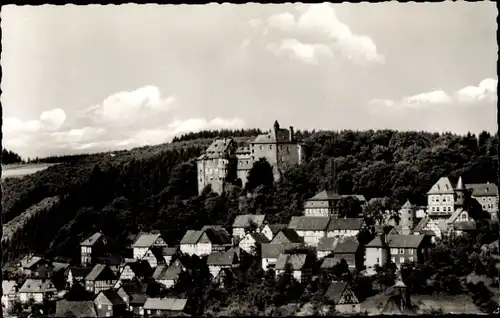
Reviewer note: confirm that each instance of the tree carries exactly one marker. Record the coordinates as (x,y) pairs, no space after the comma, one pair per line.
(349,207)
(9,157)
(261,174)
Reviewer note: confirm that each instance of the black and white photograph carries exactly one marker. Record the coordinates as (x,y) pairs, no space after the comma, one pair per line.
(221,160)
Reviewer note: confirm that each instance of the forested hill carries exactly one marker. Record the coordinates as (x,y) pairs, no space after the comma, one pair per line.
(156,187)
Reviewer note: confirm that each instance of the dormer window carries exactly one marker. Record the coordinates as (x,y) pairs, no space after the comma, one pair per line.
(446,186)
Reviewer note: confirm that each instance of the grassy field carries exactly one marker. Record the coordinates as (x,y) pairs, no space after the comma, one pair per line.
(20,170)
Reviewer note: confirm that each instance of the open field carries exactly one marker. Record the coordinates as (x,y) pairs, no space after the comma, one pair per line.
(20,170)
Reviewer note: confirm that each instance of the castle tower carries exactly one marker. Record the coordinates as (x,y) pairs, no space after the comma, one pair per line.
(407,215)
(460,194)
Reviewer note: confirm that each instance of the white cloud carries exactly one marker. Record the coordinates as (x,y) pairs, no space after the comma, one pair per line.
(486,91)
(53,119)
(307,53)
(50,120)
(127,108)
(318,31)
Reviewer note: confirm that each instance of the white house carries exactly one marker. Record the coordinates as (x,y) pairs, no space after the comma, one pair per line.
(216,261)
(145,242)
(167,275)
(271,252)
(347,227)
(204,242)
(9,294)
(311,228)
(36,289)
(326,246)
(251,242)
(270,230)
(243,223)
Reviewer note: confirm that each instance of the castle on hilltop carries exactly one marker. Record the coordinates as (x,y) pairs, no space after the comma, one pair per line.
(224,160)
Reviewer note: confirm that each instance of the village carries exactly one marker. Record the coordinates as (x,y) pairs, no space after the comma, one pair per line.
(118,276)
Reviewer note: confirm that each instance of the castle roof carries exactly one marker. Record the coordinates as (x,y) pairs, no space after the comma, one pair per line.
(407,205)
(442,186)
(483,189)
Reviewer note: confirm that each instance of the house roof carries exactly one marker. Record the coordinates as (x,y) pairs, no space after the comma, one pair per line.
(442,186)
(420,226)
(78,308)
(398,241)
(327,195)
(259,238)
(8,285)
(274,250)
(331,261)
(140,268)
(146,240)
(169,251)
(327,244)
(113,297)
(244,221)
(309,223)
(297,261)
(78,271)
(336,290)
(100,272)
(290,235)
(29,261)
(274,136)
(191,237)
(174,304)
(275,228)
(347,246)
(93,239)
(455,215)
(218,236)
(158,272)
(37,286)
(345,224)
(218,149)
(133,286)
(138,299)
(111,260)
(465,226)
(222,258)
(407,205)
(482,189)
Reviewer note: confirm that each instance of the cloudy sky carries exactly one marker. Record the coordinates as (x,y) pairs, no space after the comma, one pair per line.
(91,78)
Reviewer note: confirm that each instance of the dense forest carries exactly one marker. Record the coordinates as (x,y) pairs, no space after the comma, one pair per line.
(10,157)
(156,187)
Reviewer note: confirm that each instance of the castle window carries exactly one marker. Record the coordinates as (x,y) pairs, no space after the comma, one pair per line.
(260,147)
(270,146)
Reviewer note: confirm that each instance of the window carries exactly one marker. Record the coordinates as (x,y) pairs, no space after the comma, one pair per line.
(401,251)
(394,250)
(270,146)
(99,306)
(393,259)
(378,260)
(260,147)
(108,314)
(410,259)
(401,260)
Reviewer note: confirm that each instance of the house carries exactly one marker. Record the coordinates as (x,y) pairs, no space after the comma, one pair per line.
(251,242)
(169,253)
(310,228)
(47,269)
(244,223)
(140,270)
(286,236)
(225,274)
(204,242)
(79,309)
(351,251)
(9,294)
(110,304)
(487,195)
(76,275)
(432,226)
(398,248)
(154,256)
(298,263)
(270,230)
(113,261)
(36,289)
(271,252)
(344,298)
(92,247)
(134,295)
(460,228)
(326,245)
(145,242)
(219,260)
(325,202)
(162,307)
(101,277)
(347,227)
(29,263)
(168,275)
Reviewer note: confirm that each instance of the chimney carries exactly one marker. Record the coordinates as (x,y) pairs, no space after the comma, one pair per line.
(291,134)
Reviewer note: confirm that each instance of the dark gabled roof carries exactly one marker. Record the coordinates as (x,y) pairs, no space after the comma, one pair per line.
(133,286)
(100,272)
(327,244)
(455,215)
(275,228)
(398,241)
(222,258)
(138,299)
(336,290)
(77,308)
(465,226)
(191,237)
(482,189)
(420,226)
(274,250)
(113,297)
(244,221)
(77,271)
(140,268)
(327,195)
(217,237)
(309,223)
(259,238)
(331,261)
(93,239)
(345,224)
(274,136)
(290,235)
(37,286)
(297,261)
(111,260)
(347,246)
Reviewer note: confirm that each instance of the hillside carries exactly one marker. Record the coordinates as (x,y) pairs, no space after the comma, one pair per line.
(156,187)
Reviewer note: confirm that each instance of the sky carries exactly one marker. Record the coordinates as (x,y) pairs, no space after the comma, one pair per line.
(96,78)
